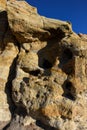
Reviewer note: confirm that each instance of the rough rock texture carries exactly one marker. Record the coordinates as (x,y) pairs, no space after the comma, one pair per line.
(43,71)
(8,53)
(83,36)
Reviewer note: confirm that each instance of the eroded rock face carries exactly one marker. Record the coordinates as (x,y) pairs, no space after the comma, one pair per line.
(8,53)
(43,71)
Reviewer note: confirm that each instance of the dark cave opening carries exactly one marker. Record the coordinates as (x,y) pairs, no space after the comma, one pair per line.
(67,52)
(35,72)
(46,64)
(67,61)
(67,55)
(68,86)
(69,90)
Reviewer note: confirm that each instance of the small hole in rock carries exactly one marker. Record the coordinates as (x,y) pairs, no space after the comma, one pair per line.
(26,80)
(68,86)
(68,54)
(67,61)
(38,95)
(35,72)
(27,51)
(69,90)
(70,96)
(46,64)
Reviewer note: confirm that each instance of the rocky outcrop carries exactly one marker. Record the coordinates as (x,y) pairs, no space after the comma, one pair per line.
(8,53)
(43,66)
(83,36)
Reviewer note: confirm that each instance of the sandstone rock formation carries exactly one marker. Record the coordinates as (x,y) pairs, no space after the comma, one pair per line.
(43,71)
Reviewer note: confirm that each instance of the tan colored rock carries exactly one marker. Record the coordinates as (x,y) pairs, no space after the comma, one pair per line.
(83,36)
(50,110)
(6,60)
(33,26)
(2,5)
(49,77)
(7,57)
(43,66)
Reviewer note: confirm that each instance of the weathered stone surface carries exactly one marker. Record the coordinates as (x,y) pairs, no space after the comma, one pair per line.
(6,65)
(43,66)
(2,5)
(32,27)
(83,36)
(8,53)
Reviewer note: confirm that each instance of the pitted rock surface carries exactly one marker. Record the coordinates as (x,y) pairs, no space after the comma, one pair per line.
(43,71)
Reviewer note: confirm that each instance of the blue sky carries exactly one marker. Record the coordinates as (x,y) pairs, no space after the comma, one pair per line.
(74,11)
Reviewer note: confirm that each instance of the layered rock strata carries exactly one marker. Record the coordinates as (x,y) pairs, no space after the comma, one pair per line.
(43,71)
